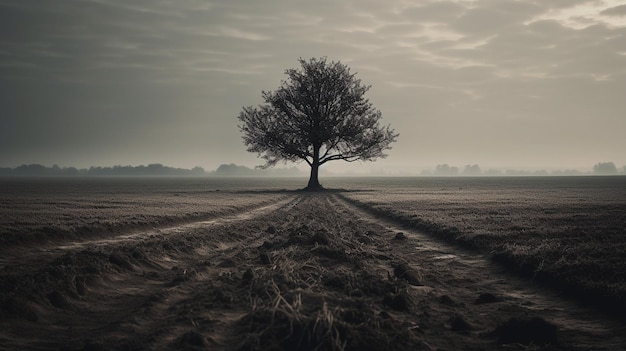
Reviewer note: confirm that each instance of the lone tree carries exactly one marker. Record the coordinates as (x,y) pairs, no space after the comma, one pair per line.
(318,115)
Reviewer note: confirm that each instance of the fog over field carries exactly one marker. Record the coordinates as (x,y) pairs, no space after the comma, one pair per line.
(502,84)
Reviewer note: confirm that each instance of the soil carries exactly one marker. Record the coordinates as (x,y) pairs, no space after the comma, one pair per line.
(311,272)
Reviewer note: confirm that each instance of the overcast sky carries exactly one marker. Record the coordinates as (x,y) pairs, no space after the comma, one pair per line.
(527,84)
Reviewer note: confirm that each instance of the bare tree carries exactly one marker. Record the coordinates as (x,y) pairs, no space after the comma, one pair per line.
(318,115)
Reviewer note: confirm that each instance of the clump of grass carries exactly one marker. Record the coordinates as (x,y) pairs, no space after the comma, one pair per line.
(297,303)
(278,319)
(285,325)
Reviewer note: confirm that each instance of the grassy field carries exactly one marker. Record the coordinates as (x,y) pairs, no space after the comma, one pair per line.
(39,209)
(254,264)
(568,232)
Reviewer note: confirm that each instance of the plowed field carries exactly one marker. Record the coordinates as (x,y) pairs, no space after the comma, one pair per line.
(294,271)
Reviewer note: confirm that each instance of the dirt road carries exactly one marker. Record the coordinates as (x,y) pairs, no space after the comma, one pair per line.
(310,271)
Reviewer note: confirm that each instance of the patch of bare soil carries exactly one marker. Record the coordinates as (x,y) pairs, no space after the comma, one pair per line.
(312,273)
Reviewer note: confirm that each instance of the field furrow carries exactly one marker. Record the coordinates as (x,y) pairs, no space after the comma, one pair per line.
(309,272)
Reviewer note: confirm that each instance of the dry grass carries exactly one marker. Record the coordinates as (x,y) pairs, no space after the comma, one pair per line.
(41,210)
(310,275)
(571,234)
(320,292)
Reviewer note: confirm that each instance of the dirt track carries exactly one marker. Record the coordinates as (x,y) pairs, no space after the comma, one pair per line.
(306,272)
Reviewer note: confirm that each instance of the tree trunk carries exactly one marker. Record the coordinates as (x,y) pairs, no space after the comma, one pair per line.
(314,184)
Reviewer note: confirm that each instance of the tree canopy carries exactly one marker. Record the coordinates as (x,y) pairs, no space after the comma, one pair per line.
(319,114)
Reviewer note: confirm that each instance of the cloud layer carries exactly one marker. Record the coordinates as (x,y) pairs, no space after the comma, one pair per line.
(499,83)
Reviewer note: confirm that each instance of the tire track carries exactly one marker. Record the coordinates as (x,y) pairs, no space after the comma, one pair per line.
(464,276)
(312,268)
(122,288)
(44,252)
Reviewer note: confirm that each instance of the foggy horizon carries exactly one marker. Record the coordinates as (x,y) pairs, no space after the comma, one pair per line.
(234,170)
(501,84)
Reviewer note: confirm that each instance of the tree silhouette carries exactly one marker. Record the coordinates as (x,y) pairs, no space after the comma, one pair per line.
(446,170)
(472,170)
(318,115)
(605,168)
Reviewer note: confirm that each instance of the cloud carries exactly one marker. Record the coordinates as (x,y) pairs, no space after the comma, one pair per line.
(618,11)
(437,12)
(492,19)
(111,77)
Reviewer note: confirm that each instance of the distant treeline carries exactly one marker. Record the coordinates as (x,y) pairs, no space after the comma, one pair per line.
(233,170)
(155,169)
(601,168)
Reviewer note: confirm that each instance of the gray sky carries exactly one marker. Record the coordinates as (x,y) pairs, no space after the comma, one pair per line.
(529,84)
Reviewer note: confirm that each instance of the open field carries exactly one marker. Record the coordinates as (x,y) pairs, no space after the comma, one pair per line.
(40,209)
(568,232)
(143,264)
